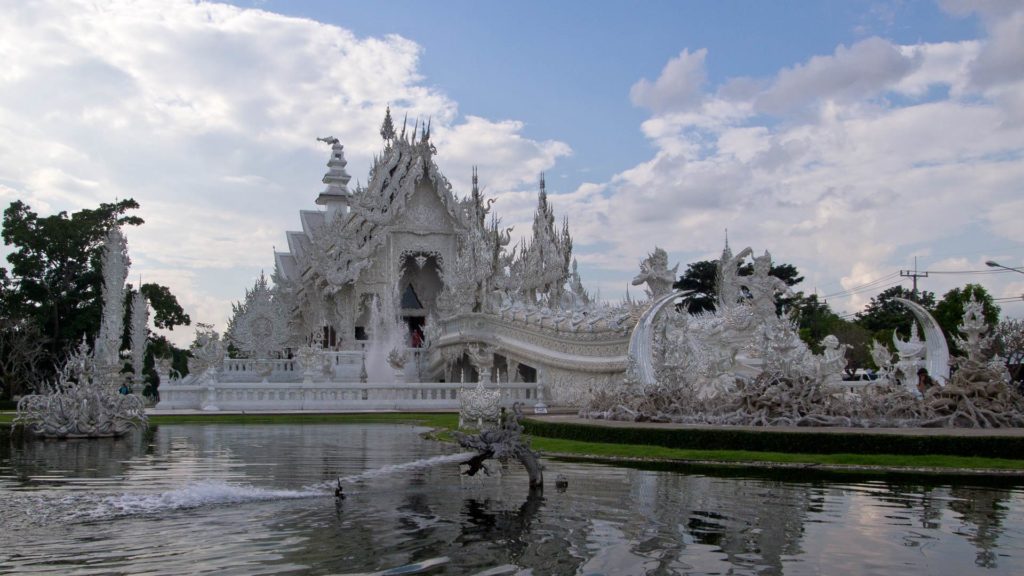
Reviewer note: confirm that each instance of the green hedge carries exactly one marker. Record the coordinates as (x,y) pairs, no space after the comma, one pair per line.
(769,440)
(8,405)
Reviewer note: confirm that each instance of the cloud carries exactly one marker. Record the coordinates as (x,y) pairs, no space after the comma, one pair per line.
(1000,59)
(208,114)
(851,73)
(677,88)
(505,159)
(871,166)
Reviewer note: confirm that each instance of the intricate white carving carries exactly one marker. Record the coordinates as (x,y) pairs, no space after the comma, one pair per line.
(206,354)
(654,271)
(259,326)
(479,405)
(140,318)
(80,403)
(115,270)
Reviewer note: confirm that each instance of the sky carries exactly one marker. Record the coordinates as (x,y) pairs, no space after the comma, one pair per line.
(850,139)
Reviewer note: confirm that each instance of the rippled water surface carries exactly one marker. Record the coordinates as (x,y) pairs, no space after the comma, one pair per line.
(232,499)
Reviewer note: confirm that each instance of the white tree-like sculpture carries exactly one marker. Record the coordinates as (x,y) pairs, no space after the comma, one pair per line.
(106,352)
(139,321)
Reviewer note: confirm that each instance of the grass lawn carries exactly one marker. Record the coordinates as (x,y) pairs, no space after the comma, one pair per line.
(446,422)
(640,451)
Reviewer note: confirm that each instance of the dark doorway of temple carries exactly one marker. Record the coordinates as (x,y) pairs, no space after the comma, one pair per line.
(415,334)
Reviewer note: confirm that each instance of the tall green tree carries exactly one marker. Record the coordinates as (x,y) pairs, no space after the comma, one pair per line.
(54,284)
(167,313)
(884,314)
(55,266)
(701,279)
(1010,345)
(858,356)
(816,320)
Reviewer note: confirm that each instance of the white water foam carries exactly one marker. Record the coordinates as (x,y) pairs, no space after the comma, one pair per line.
(193,495)
(394,468)
(201,494)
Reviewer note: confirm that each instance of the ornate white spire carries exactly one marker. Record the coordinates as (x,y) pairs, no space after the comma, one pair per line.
(139,320)
(115,270)
(336,195)
(336,177)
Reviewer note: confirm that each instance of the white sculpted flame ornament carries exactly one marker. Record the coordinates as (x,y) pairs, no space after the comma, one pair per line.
(258,326)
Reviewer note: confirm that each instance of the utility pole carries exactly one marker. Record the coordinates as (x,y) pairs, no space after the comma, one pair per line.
(914,274)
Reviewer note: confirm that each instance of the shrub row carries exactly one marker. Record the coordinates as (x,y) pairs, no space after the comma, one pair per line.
(769,440)
(8,405)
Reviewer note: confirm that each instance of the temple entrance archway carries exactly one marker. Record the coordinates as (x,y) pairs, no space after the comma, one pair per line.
(419,286)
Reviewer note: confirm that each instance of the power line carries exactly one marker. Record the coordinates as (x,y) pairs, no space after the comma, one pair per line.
(863,287)
(967,271)
(1009,299)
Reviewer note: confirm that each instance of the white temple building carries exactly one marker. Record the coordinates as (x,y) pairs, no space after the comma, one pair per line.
(404,285)
(403,295)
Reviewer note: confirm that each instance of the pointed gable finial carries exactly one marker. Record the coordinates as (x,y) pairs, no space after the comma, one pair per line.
(542,189)
(726,238)
(425,136)
(387,129)
(476,183)
(405,121)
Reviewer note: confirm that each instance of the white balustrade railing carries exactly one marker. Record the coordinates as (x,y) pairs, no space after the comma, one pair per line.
(343,366)
(269,396)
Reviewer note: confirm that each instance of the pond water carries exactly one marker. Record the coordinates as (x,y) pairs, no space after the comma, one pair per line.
(258,499)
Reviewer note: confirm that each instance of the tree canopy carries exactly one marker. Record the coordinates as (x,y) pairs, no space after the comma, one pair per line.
(884,314)
(55,267)
(702,279)
(53,288)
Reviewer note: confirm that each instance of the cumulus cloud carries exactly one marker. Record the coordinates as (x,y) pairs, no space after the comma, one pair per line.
(871,166)
(505,159)
(679,86)
(208,114)
(1000,59)
(851,73)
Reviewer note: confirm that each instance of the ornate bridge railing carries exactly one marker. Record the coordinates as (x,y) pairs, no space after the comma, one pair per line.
(342,366)
(539,345)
